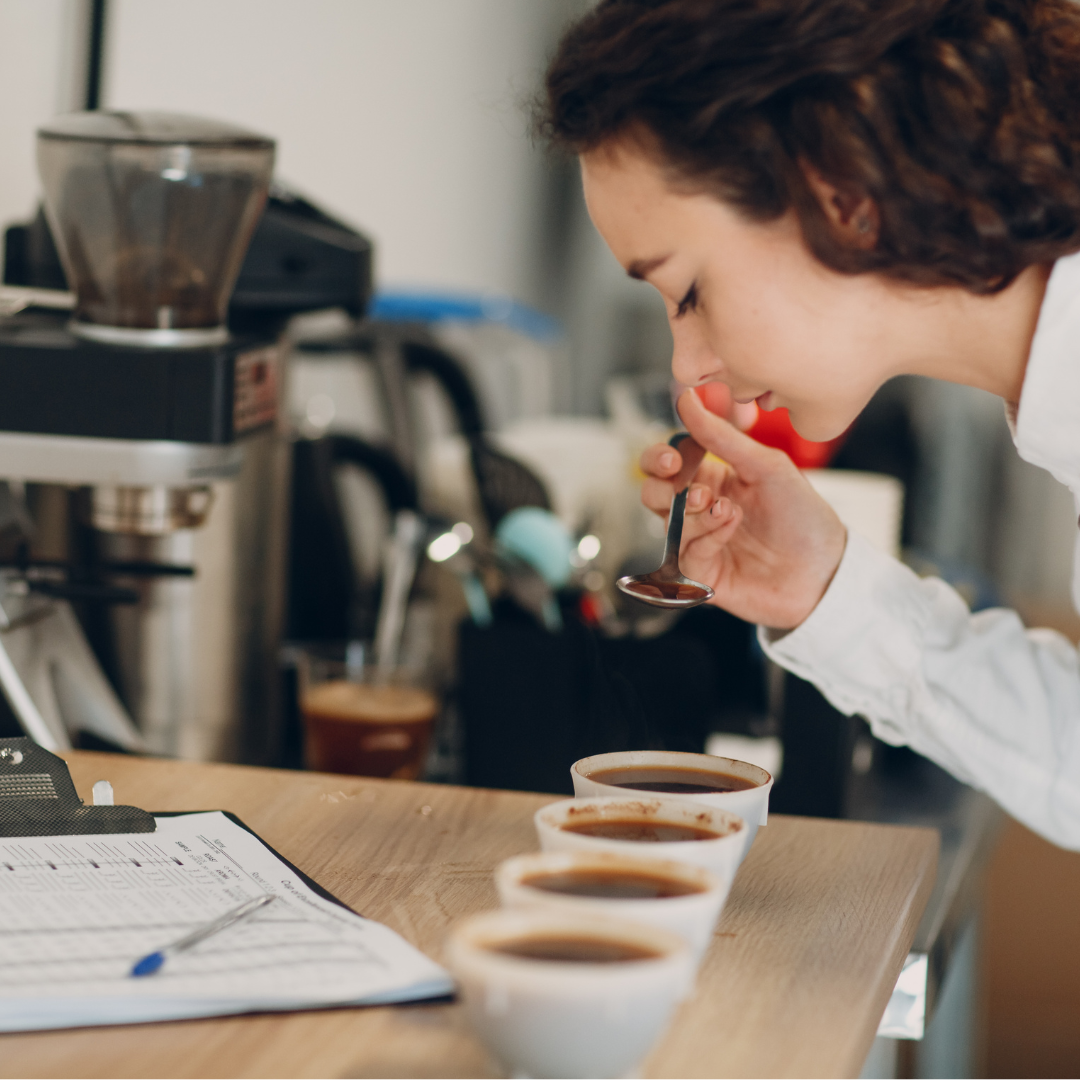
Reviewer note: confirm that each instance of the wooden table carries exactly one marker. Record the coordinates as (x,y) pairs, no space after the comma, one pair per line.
(804,959)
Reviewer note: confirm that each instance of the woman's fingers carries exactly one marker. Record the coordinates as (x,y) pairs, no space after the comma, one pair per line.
(662,465)
(710,473)
(723,519)
(661,460)
(747,456)
(698,498)
(706,537)
(724,511)
(656,495)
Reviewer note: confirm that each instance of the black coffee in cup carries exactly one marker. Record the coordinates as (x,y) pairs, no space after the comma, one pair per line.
(611,883)
(567,949)
(645,830)
(674,781)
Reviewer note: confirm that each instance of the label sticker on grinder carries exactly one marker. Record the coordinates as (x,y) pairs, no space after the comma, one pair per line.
(255,389)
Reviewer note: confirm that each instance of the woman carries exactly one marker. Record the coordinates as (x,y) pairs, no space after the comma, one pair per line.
(829,193)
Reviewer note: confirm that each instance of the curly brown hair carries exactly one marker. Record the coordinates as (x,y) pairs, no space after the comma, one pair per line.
(960,119)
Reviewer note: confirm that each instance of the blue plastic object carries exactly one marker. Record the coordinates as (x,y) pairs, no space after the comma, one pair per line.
(148,964)
(406,305)
(539,538)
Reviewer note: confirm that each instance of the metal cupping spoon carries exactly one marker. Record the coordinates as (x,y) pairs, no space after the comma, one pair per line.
(666,587)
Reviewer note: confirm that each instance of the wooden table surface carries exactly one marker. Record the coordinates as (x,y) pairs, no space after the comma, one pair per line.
(795,982)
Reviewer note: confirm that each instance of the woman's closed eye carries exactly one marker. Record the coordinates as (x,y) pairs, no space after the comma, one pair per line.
(688,302)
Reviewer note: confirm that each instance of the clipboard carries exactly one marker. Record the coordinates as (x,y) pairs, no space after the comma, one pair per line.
(85,894)
(38,798)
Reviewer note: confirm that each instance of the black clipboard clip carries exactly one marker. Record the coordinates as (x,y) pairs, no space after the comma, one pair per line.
(38,798)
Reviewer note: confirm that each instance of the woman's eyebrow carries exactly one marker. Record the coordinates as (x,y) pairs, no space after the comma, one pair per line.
(640,269)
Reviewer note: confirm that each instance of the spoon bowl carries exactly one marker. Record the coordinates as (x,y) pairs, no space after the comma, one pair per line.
(681,592)
(667,586)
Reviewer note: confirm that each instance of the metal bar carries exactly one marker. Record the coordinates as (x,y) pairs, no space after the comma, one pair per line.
(95,58)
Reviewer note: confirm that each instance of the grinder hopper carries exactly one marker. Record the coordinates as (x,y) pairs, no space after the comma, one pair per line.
(152,214)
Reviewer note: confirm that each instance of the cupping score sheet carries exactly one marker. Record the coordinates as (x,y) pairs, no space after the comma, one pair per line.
(77,911)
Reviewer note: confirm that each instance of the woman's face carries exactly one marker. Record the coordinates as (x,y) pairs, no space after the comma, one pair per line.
(749,304)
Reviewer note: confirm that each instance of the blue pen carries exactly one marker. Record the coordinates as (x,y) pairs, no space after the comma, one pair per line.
(149,964)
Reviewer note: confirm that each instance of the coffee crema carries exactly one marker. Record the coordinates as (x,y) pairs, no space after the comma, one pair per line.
(367,730)
(346,702)
(575,950)
(611,884)
(673,781)
(639,830)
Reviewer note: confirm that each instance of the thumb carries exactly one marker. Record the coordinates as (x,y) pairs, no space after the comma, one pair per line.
(747,456)
(718,400)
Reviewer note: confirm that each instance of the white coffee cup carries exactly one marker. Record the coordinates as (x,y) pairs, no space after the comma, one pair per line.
(566,1018)
(751,803)
(693,914)
(721,853)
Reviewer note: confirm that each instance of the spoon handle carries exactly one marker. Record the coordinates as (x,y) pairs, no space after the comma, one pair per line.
(691,453)
(670,566)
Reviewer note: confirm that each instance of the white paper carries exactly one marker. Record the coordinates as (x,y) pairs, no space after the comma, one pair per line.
(76,912)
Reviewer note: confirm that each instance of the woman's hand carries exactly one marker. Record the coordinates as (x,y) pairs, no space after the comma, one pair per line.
(755,530)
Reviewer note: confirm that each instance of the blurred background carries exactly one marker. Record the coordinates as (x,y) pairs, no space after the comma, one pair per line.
(450,488)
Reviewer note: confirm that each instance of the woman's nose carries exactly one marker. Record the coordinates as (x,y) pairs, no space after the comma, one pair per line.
(693,359)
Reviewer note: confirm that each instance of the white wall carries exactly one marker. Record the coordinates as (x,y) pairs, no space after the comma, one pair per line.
(38,78)
(402,116)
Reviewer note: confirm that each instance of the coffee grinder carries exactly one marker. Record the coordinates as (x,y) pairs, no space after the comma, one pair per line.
(147,483)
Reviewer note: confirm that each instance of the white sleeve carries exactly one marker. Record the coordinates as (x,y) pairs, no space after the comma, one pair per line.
(996,705)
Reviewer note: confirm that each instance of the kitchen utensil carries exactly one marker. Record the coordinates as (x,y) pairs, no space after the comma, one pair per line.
(451,548)
(503,483)
(666,586)
(534,549)
(328,598)
(397,582)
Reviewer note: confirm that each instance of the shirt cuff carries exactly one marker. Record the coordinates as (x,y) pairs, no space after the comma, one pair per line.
(862,643)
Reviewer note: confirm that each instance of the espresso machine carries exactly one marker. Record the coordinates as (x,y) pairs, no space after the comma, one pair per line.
(143,517)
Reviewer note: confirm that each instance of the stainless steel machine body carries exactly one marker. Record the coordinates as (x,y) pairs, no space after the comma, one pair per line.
(197,656)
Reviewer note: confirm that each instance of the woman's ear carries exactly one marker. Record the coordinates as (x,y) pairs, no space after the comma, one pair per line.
(854,218)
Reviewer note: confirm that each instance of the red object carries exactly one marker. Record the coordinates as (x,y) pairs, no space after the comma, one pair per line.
(716,397)
(773,429)
(591,609)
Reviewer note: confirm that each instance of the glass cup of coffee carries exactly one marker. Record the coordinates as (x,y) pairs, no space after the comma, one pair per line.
(362,721)
(646,828)
(722,782)
(675,896)
(557,994)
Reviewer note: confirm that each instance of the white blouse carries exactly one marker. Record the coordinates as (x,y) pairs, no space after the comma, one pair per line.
(995,704)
